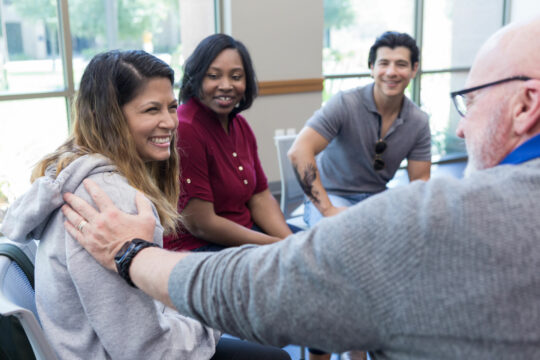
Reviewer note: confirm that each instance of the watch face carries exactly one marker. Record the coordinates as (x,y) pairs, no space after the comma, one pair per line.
(125,255)
(121,254)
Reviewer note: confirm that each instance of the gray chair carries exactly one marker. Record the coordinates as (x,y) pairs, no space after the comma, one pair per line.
(17,300)
(292,195)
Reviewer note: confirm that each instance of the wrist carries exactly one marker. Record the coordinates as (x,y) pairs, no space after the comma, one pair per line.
(325,210)
(124,257)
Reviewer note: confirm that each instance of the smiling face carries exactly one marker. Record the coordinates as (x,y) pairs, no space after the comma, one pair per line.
(392,71)
(151,118)
(224,83)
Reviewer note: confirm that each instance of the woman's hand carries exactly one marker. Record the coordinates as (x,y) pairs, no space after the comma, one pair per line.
(102,232)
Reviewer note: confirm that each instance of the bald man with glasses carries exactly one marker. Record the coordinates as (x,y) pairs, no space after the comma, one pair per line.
(443,269)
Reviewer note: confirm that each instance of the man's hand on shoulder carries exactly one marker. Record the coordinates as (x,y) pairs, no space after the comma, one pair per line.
(104,231)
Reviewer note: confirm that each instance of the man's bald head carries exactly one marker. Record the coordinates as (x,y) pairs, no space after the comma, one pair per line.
(502,117)
(513,50)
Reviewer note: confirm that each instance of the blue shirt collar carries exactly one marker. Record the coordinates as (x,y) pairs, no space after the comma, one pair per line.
(525,152)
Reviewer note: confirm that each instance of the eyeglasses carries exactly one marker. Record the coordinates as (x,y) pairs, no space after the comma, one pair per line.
(378,161)
(461,102)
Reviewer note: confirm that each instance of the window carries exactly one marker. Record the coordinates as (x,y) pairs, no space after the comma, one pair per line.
(44,48)
(350,27)
(452,34)
(448,32)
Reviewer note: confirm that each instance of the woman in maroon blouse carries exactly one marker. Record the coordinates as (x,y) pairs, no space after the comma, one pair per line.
(225,200)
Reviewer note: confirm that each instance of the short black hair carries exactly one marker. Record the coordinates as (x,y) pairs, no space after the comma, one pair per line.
(393,39)
(200,60)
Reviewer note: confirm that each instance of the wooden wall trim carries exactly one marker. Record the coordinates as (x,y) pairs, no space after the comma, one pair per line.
(290,86)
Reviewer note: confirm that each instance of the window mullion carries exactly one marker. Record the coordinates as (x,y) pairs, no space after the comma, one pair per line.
(67,55)
(418,35)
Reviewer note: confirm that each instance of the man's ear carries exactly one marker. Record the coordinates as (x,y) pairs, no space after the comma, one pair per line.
(415,69)
(526,109)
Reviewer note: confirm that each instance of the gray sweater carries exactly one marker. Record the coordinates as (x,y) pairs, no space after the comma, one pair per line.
(445,269)
(87,311)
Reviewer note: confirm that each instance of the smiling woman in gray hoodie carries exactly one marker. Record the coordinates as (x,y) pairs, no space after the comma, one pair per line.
(124,139)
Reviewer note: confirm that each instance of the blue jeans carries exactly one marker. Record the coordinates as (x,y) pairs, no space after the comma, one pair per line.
(312,216)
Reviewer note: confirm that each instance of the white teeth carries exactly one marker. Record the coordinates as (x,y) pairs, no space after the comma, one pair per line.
(224,98)
(161,140)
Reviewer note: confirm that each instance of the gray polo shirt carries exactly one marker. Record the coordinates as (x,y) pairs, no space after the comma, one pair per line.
(350,123)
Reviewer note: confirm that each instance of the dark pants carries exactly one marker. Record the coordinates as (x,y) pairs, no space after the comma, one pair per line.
(233,349)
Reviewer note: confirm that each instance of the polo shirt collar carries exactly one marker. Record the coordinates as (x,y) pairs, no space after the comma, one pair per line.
(529,150)
(369,100)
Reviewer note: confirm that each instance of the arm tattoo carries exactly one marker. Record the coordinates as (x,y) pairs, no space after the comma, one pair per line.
(306,181)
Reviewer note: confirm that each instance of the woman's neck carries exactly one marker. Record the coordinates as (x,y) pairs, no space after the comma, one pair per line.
(224,121)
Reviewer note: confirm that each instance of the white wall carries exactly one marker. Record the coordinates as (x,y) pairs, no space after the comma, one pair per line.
(284,39)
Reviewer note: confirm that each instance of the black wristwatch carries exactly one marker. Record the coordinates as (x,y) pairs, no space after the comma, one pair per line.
(125,255)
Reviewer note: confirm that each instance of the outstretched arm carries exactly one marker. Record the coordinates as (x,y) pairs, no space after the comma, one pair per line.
(302,155)
(248,291)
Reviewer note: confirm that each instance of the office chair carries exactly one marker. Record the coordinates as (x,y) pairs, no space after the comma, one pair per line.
(22,335)
(292,195)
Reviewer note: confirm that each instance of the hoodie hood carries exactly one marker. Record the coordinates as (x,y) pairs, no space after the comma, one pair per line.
(28,216)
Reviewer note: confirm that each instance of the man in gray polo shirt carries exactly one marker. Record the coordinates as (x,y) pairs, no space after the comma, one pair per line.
(365,134)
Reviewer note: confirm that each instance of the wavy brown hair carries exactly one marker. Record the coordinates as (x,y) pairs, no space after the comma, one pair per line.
(111,80)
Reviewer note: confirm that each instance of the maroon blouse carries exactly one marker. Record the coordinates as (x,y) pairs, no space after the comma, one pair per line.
(215,166)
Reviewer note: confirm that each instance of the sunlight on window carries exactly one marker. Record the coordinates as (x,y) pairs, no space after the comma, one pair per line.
(31,62)
(29,130)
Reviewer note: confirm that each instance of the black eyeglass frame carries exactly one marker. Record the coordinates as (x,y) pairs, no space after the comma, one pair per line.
(455,94)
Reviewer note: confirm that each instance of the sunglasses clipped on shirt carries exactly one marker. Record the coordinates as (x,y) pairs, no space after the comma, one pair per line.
(378,161)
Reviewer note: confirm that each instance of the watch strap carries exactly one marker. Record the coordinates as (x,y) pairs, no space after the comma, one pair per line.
(125,255)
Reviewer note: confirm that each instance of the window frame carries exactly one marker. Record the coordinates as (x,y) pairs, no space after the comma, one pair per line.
(66,54)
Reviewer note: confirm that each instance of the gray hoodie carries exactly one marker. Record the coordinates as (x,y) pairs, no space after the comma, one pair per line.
(86,310)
